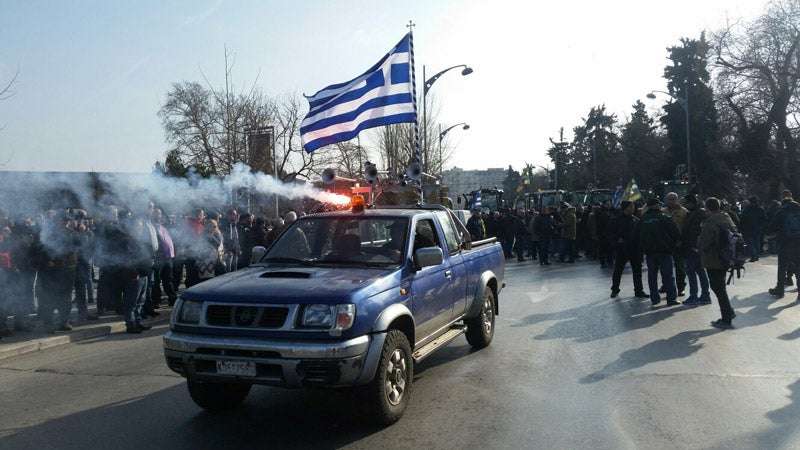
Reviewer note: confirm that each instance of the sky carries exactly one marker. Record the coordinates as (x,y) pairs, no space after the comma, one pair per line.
(93,74)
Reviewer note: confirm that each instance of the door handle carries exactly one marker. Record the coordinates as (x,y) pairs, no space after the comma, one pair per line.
(448,274)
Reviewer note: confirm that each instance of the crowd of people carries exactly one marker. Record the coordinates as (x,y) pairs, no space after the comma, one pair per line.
(129,262)
(684,240)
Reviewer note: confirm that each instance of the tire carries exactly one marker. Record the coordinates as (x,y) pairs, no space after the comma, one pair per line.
(480,329)
(387,395)
(218,396)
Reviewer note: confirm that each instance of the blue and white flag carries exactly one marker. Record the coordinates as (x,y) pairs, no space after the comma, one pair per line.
(476,200)
(382,95)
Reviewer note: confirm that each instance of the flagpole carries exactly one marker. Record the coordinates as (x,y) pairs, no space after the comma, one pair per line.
(417,152)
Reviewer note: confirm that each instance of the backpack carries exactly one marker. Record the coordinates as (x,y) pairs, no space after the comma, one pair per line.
(732,252)
(791,225)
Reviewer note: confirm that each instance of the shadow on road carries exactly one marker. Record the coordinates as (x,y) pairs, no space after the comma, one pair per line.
(783,431)
(761,312)
(679,346)
(599,320)
(270,418)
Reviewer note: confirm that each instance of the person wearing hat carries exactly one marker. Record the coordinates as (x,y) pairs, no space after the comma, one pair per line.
(659,238)
(695,272)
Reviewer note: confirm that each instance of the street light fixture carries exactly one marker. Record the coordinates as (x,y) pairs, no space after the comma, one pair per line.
(464,126)
(426,86)
(684,102)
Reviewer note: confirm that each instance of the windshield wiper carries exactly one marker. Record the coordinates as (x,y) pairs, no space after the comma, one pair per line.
(282,259)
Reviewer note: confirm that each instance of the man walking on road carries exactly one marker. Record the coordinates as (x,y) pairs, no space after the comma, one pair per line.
(678,215)
(786,224)
(659,237)
(624,233)
(710,244)
(545,229)
(694,268)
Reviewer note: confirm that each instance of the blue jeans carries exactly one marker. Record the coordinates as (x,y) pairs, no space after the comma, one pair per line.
(695,272)
(664,264)
(133,293)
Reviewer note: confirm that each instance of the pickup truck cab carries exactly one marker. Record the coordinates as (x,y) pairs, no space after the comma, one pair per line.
(341,299)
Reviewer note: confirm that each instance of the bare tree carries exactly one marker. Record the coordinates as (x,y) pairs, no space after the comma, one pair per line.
(6,92)
(759,76)
(397,143)
(209,129)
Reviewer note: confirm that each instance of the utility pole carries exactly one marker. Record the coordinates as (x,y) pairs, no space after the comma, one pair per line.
(559,147)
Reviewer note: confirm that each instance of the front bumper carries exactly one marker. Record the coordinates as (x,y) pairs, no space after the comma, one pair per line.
(278,363)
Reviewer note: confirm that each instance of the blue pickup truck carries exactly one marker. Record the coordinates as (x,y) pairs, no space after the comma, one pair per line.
(341,299)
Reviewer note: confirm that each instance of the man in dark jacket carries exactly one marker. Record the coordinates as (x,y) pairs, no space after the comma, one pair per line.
(246,243)
(709,243)
(690,249)
(475,226)
(624,234)
(659,236)
(786,225)
(602,219)
(752,225)
(545,229)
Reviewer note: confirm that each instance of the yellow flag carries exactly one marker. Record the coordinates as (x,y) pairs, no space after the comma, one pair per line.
(632,192)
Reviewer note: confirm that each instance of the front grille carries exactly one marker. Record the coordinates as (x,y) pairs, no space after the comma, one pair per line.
(246,316)
(218,315)
(273,317)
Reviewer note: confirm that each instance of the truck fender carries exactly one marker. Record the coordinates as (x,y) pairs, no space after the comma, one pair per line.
(378,336)
(389,315)
(484,282)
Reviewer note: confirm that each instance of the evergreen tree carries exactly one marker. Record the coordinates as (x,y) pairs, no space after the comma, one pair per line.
(511,183)
(645,156)
(688,78)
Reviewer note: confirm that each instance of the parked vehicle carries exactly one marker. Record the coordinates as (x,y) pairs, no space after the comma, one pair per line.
(551,198)
(341,299)
(490,199)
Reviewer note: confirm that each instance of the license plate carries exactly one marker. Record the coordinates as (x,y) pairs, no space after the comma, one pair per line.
(237,368)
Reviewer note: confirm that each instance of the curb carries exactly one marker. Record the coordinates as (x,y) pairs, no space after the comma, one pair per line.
(35,345)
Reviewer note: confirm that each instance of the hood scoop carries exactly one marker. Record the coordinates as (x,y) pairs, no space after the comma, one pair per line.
(285,274)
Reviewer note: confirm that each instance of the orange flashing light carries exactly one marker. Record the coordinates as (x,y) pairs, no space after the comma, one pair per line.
(357,202)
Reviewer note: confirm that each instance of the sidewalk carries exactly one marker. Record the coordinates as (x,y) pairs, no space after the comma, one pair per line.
(38,339)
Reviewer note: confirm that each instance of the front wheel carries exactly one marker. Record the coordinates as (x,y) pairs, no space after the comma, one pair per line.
(218,396)
(480,329)
(387,394)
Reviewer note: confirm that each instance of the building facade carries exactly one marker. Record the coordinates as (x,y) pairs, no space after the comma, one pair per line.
(460,181)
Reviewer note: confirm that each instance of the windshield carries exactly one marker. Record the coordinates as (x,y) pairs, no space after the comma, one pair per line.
(364,241)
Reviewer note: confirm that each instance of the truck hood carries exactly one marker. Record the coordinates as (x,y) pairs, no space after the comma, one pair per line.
(283,284)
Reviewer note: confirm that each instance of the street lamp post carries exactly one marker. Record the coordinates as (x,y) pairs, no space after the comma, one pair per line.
(684,102)
(464,126)
(425,88)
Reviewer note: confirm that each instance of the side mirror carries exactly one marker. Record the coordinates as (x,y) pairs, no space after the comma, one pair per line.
(257,254)
(428,256)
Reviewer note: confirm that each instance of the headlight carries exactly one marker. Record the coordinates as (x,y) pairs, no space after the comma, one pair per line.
(317,316)
(190,312)
(335,318)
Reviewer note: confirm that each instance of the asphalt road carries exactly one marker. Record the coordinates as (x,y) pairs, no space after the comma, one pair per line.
(569,368)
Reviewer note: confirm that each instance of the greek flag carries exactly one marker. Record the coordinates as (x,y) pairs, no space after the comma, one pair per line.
(382,95)
(476,200)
